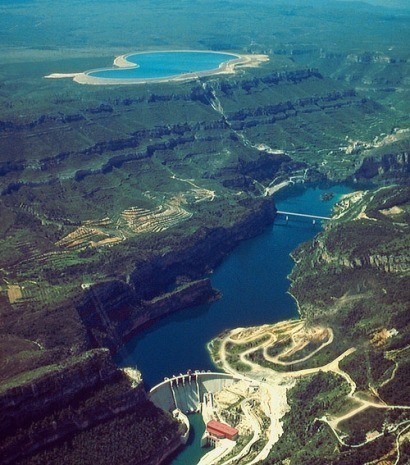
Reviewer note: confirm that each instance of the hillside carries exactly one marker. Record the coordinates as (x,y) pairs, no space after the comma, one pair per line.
(354,278)
(117,202)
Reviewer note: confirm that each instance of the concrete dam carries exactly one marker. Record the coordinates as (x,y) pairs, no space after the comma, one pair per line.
(186,392)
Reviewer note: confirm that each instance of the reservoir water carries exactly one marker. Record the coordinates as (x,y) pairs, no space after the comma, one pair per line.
(253,281)
(161,65)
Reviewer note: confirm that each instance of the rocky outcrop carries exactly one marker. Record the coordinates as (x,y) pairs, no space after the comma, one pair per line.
(270,114)
(186,295)
(386,263)
(301,105)
(79,399)
(205,249)
(106,311)
(392,166)
(169,138)
(113,311)
(274,78)
(266,166)
(369,57)
(68,422)
(43,119)
(52,387)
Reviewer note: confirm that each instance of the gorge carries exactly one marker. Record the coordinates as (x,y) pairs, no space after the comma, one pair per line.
(118,204)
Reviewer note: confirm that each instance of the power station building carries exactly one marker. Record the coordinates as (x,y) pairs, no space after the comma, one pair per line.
(216,432)
(193,392)
(221,430)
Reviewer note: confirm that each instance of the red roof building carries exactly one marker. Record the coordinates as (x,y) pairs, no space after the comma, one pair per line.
(221,430)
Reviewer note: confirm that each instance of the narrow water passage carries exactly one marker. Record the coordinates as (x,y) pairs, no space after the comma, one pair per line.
(192,452)
(254,284)
(253,281)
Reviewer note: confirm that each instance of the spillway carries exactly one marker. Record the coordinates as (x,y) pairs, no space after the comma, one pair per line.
(185,392)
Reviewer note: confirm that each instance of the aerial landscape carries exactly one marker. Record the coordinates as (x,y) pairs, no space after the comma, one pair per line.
(204,232)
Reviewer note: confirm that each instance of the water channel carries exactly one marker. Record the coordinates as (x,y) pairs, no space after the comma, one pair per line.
(253,281)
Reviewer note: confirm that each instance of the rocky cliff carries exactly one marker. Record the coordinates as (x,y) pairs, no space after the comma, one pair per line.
(205,249)
(390,166)
(58,401)
(53,386)
(113,310)
(358,268)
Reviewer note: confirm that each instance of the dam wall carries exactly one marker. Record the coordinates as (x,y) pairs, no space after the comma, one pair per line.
(185,392)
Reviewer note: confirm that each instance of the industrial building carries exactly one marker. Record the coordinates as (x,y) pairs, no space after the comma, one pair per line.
(221,430)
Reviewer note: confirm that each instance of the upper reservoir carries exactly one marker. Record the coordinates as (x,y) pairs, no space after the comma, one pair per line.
(253,282)
(163,65)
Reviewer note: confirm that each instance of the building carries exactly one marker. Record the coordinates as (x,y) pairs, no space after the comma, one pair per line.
(221,430)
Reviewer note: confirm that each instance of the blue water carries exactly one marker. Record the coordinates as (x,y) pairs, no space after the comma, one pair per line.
(193,451)
(254,284)
(156,65)
(253,281)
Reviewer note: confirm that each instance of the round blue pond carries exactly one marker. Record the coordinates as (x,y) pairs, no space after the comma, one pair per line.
(163,65)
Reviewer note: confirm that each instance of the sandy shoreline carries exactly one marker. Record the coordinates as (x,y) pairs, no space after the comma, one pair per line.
(228,67)
(61,75)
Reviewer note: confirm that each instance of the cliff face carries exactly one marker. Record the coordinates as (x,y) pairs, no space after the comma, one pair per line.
(57,386)
(65,411)
(106,310)
(387,263)
(388,166)
(187,295)
(358,268)
(205,249)
(58,401)
(112,311)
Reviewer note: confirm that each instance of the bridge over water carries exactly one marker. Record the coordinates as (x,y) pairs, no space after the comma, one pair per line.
(302,215)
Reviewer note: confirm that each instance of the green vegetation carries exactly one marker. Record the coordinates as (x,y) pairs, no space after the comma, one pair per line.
(305,439)
(133,438)
(234,348)
(107,192)
(367,368)
(278,346)
(307,350)
(371,420)
(236,363)
(397,391)
(359,268)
